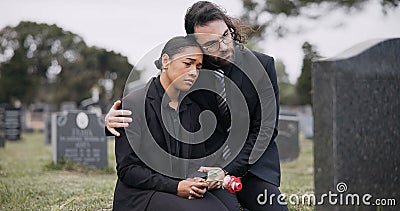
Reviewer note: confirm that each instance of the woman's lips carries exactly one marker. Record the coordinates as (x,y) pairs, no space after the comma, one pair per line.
(189,81)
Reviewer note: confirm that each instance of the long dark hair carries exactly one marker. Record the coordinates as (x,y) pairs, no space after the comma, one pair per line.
(175,46)
(202,12)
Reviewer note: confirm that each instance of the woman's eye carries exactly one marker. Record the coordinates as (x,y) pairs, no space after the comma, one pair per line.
(187,64)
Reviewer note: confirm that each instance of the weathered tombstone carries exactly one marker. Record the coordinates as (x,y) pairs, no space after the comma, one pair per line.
(288,138)
(78,136)
(2,127)
(356,106)
(13,124)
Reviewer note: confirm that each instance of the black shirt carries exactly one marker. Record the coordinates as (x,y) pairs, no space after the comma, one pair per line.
(172,118)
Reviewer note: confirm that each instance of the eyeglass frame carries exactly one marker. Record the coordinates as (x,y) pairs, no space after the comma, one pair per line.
(222,39)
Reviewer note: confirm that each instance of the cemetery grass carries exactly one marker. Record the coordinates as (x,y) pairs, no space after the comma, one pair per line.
(29,180)
(297,177)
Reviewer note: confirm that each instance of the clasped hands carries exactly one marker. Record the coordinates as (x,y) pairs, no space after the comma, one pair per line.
(193,188)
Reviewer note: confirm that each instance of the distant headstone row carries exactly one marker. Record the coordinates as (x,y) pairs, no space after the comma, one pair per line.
(356,108)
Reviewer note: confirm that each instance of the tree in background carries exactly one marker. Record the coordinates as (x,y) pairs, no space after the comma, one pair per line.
(282,17)
(44,63)
(270,16)
(287,91)
(303,86)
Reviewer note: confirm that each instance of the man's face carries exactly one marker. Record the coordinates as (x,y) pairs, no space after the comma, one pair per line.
(216,41)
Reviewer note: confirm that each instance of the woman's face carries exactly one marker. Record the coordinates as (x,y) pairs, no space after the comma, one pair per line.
(183,68)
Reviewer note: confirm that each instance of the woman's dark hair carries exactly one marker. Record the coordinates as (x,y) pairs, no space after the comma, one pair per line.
(175,46)
(202,12)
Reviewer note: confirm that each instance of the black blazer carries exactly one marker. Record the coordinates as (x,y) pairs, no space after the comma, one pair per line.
(267,167)
(136,181)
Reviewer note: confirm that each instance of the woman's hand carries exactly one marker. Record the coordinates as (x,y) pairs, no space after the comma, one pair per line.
(214,173)
(192,188)
(115,118)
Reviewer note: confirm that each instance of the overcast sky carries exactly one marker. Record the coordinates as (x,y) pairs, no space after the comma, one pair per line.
(132,28)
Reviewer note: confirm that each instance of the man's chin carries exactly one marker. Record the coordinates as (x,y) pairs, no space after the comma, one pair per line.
(221,61)
(227,60)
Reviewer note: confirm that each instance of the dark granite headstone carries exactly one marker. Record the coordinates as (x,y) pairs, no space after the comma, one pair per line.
(78,136)
(13,123)
(356,107)
(2,127)
(288,138)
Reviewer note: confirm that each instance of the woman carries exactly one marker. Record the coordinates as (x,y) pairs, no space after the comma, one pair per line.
(139,187)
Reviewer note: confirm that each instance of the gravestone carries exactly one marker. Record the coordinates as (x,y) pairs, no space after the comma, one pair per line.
(78,136)
(356,107)
(13,124)
(2,127)
(288,138)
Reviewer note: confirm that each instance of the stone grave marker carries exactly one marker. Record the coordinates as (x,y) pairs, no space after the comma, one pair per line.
(13,124)
(356,108)
(78,136)
(288,138)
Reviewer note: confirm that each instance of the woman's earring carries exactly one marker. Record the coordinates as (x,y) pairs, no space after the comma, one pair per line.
(164,68)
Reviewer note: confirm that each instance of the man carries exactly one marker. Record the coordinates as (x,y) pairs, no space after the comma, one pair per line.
(214,32)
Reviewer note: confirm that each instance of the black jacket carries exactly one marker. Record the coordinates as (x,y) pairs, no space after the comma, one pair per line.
(136,180)
(267,166)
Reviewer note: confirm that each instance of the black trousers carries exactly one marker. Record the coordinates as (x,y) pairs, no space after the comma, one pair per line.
(228,199)
(254,191)
(214,200)
(252,196)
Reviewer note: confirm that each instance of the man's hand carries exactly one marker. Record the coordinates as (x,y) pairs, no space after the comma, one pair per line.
(214,173)
(115,118)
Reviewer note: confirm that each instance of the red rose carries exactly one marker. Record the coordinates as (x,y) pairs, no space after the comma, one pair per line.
(232,184)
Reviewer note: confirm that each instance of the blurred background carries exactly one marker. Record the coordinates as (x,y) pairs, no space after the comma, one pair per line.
(69,54)
(76,55)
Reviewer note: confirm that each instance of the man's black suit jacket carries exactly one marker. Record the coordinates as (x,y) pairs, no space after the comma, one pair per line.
(267,166)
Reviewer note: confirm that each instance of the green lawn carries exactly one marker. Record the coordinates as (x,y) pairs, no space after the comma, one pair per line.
(28,180)
(298,175)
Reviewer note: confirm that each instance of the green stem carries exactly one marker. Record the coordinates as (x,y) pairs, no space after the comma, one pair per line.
(214,180)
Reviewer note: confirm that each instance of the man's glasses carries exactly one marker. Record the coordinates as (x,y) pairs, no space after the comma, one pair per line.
(215,45)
